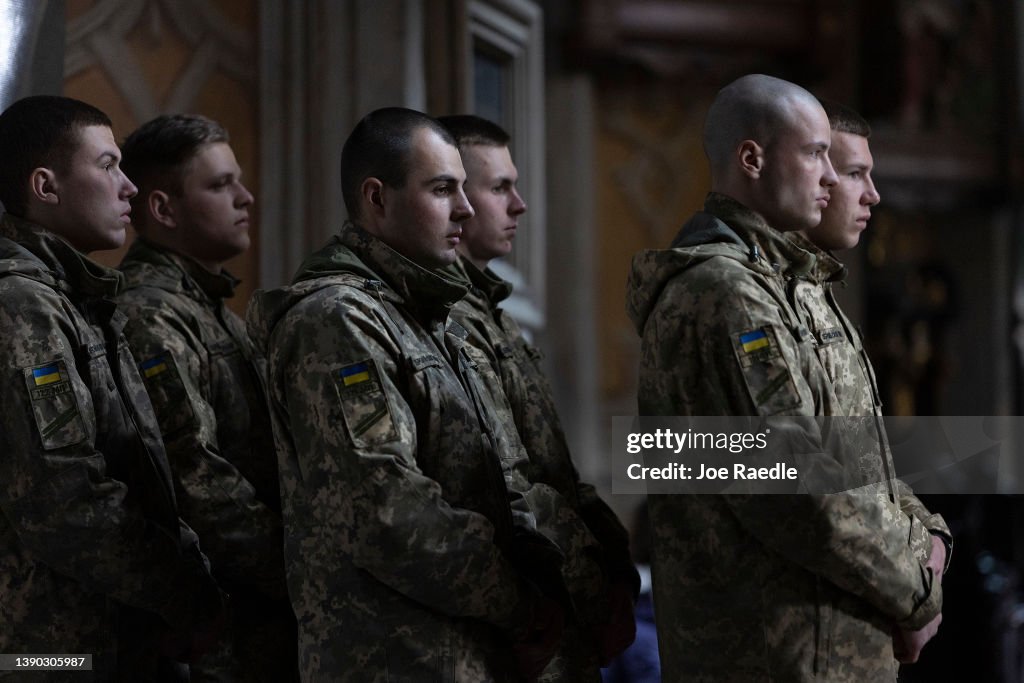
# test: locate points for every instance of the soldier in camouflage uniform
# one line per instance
(837, 342)
(93, 556)
(769, 587)
(410, 555)
(206, 381)
(606, 584)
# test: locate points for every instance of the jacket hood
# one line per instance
(724, 229)
(268, 307)
(356, 256)
(150, 265)
(17, 260)
(29, 250)
(653, 268)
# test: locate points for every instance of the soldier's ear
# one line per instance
(43, 185)
(750, 156)
(372, 191)
(161, 209)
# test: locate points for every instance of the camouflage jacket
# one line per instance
(396, 503)
(207, 386)
(514, 365)
(769, 587)
(92, 552)
(840, 348)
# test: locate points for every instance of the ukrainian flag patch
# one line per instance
(171, 399)
(153, 366)
(48, 374)
(765, 370)
(54, 404)
(756, 345)
(754, 340)
(365, 409)
(356, 373)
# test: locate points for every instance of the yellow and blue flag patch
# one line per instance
(757, 345)
(153, 366)
(54, 404)
(354, 374)
(754, 340)
(365, 409)
(48, 374)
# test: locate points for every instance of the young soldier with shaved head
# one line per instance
(760, 588)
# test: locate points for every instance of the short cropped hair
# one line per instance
(843, 119)
(469, 129)
(753, 107)
(379, 147)
(156, 155)
(41, 131)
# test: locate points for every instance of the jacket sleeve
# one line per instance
(54, 488)
(933, 523)
(337, 379)
(538, 421)
(857, 540)
(549, 494)
(241, 535)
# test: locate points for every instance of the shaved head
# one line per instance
(767, 142)
(755, 107)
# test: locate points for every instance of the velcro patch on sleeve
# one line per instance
(765, 370)
(364, 404)
(54, 405)
(167, 393)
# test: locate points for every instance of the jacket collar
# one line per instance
(420, 289)
(827, 268)
(486, 282)
(764, 243)
(147, 263)
(58, 263)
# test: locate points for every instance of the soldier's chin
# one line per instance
(112, 240)
(447, 257)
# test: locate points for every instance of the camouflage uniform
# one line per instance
(512, 365)
(207, 385)
(396, 502)
(92, 553)
(770, 587)
(840, 349)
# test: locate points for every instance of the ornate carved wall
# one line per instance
(651, 176)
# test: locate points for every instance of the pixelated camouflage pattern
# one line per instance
(395, 504)
(840, 348)
(207, 385)
(512, 367)
(772, 587)
(92, 553)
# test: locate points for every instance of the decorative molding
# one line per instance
(695, 39)
(324, 65)
(99, 37)
(514, 29)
